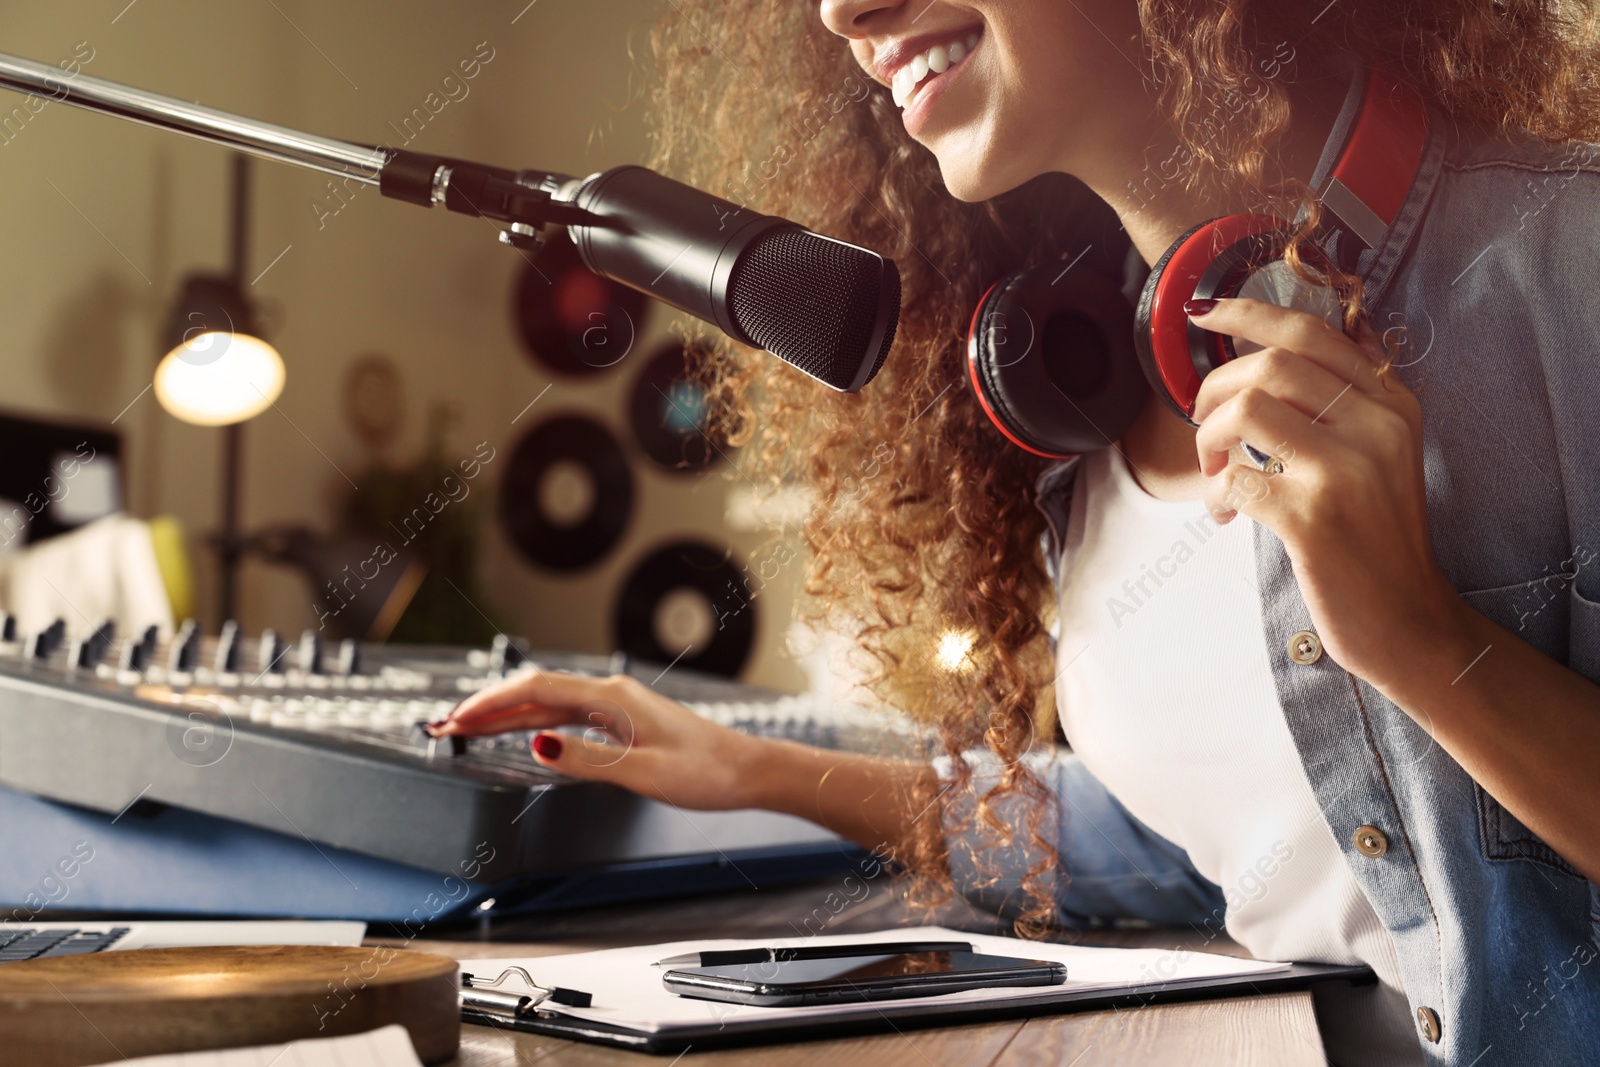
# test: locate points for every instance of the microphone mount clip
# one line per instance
(526, 200)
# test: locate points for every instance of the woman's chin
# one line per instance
(964, 185)
(977, 179)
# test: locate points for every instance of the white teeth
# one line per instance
(900, 86)
(936, 60)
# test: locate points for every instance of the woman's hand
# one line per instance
(1349, 502)
(640, 740)
(633, 737)
(1350, 508)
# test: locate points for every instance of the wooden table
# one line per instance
(1274, 1031)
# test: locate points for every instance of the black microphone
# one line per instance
(823, 306)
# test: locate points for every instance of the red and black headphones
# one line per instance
(1077, 377)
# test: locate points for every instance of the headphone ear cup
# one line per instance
(1051, 358)
(1214, 259)
(1152, 355)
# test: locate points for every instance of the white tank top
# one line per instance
(1166, 694)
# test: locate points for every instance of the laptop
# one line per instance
(38, 940)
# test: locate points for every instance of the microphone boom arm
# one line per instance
(525, 200)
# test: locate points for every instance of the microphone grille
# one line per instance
(814, 303)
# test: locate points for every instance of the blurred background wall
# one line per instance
(101, 218)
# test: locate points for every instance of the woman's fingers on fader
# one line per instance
(495, 720)
(539, 700)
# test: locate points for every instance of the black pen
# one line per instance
(733, 957)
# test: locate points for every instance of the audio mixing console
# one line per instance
(324, 743)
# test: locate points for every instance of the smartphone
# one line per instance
(854, 976)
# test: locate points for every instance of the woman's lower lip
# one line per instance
(915, 116)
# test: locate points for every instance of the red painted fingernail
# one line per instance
(1199, 307)
(547, 746)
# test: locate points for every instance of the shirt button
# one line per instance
(1305, 647)
(1428, 1023)
(1370, 841)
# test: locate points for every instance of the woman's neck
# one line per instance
(1143, 173)
(1156, 209)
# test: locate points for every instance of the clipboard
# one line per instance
(507, 996)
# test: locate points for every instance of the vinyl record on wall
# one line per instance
(571, 319)
(567, 493)
(669, 414)
(686, 603)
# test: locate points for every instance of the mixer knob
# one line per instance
(56, 634)
(349, 662)
(39, 645)
(134, 657)
(229, 643)
(269, 656)
(507, 653)
(101, 640)
(151, 635)
(8, 627)
(457, 743)
(311, 652)
(185, 651)
(86, 652)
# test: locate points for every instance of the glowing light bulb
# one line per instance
(214, 378)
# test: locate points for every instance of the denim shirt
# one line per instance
(1490, 272)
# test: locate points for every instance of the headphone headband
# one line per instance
(1379, 160)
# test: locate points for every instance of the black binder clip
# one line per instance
(482, 995)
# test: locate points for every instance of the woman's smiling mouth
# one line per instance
(925, 66)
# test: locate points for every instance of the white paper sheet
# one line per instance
(388, 1046)
(627, 989)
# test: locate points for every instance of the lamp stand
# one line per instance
(230, 546)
